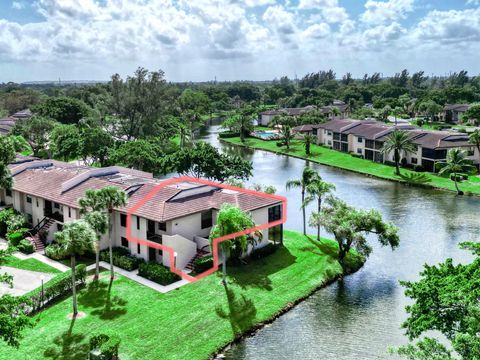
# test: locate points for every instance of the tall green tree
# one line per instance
(244, 121)
(445, 300)
(36, 131)
(95, 145)
(92, 208)
(457, 162)
(232, 219)
(66, 110)
(308, 139)
(350, 227)
(308, 176)
(65, 141)
(76, 238)
(398, 142)
(473, 113)
(317, 189)
(7, 155)
(111, 197)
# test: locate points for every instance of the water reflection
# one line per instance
(361, 316)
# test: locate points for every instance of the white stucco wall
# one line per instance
(185, 249)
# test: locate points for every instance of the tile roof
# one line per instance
(456, 107)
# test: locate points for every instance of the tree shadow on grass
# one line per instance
(68, 346)
(257, 272)
(416, 179)
(241, 312)
(98, 296)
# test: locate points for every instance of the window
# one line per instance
(360, 140)
(123, 220)
(330, 133)
(359, 151)
(8, 192)
(162, 226)
(344, 137)
(336, 136)
(138, 223)
(314, 131)
(69, 212)
(470, 152)
(138, 248)
(56, 205)
(207, 219)
(329, 142)
(274, 213)
(29, 199)
(37, 203)
(414, 160)
(124, 242)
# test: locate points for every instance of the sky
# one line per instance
(200, 40)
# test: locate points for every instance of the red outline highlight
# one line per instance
(215, 241)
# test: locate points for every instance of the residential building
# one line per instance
(453, 113)
(179, 216)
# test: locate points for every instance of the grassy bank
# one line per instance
(191, 322)
(325, 156)
(29, 264)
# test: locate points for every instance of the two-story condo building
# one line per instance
(179, 216)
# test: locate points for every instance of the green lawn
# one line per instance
(29, 264)
(191, 322)
(323, 155)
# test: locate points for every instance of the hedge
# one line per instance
(122, 258)
(157, 273)
(26, 246)
(15, 237)
(108, 346)
(56, 287)
(228, 134)
(202, 264)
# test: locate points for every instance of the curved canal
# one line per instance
(360, 317)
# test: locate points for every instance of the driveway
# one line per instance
(23, 280)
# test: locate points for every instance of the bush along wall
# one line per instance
(157, 273)
(122, 258)
(55, 288)
(203, 264)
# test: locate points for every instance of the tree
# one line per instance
(65, 110)
(398, 142)
(13, 319)
(19, 143)
(111, 197)
(430, 108)
(473, 113)
(474, 138)
(308, 139)
(231, 219)
(193, 104)
(317, 189)
(36, 131)
(95, 144)
(204, 160)
(457, 162)
(445, 300)
(286, 134)
(308, 176)
(244, 121)
(92, 208)
(76, 238)
(65, 141)
(7, 155)
(267, 189)
(350, 226)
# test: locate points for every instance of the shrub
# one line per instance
(52, 251)
(26, 246)
(108, 346)
(5, 216)
(418, 168)
(459, 177)
(228, 134)
(263, 251)
(202, 264)
(122, 258)
(157, 273)
(355, 155)
(280, 143)
(14, 238)
(56, 288)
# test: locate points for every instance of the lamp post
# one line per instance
(42, 278)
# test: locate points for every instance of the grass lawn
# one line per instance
(80, 260)
(191, 322)
(323, 155)
(29, 264)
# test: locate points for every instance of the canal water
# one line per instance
(361, 316)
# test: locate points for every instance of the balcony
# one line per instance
(55, 215)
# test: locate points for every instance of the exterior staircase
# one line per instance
(34, 234)
(200, 253)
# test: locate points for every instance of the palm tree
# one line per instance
(111, 197)
(474, 139)
(76, 238)
(287, 135)
(457, 162)
(317, 189)
(244, 121)
(308, 139)
(185, 135)
(91, 205)
(308, 176)
(399, 142)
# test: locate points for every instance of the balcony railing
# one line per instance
(53, 215)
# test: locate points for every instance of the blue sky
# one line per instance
(235, 39)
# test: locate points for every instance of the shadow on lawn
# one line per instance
(241, 311)
(98, 296)
(256, 273)
(416, 179)
(68, 346)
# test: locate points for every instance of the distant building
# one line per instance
(453, 113)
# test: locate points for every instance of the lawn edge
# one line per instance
(424, 186)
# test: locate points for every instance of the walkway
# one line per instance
(23, 280)
(132, 275)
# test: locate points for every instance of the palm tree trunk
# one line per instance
(456, 184)
(319, 209)
(303, 212)
(397, 160)
(97, 261)
(110, 245)
(224, 267)
(74, 286)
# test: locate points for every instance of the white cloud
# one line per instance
(280, 19)
(255, 3)
(379, 12)
(473, 2)
(317, 31)
(17, 5)
(317, 4)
